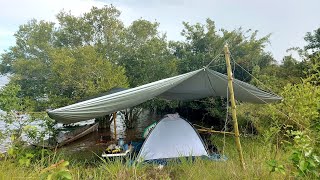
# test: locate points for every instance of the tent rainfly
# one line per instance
(189, 86)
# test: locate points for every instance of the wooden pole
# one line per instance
(233, 106)
(213, 131)
(115, 125)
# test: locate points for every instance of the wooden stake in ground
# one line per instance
(115, 125)
(233, 106)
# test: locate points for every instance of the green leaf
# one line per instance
(49, 177)
(65, 175)
(302, 165)
(11, 151)
(29, 155)
(64, 164)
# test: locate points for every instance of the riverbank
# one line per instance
(256, 153)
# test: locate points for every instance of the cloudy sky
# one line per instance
(287, 20)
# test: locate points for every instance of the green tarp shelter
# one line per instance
(189, 86)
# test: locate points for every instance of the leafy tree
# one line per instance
(82, 72)
(314, 69)
(18, 116)
(276, 76)
(146, 58)
(32, 41)
(204, 42)
(9, 99)
(56, 65)
(313, 40)
(101, 27)
(145, 54)
(313, 59)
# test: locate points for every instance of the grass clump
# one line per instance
(256, 156)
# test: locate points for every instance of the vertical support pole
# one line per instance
(115, 125)
(233, 106)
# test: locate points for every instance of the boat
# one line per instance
(71, 136)
(78, 133)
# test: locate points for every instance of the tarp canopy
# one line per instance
(189, 86)
(172, 137)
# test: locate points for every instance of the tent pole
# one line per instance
(233, 106)
(115, 125)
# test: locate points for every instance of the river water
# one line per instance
(3, 81)
(97, 141)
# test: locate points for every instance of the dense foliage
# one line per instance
(60, 63)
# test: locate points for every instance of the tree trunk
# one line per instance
(104, 122)
(132, 116)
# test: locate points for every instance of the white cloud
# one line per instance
(16, 12)
(21, 11)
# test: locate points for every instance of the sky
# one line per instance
(287, 20)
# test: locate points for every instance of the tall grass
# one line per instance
(255, 152)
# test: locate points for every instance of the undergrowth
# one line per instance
(54, 166)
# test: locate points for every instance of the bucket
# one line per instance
(120, 142)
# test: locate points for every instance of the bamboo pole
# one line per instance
(115, 125)
(213, 131)
(233, 106)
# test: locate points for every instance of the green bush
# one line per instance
(303, 156)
